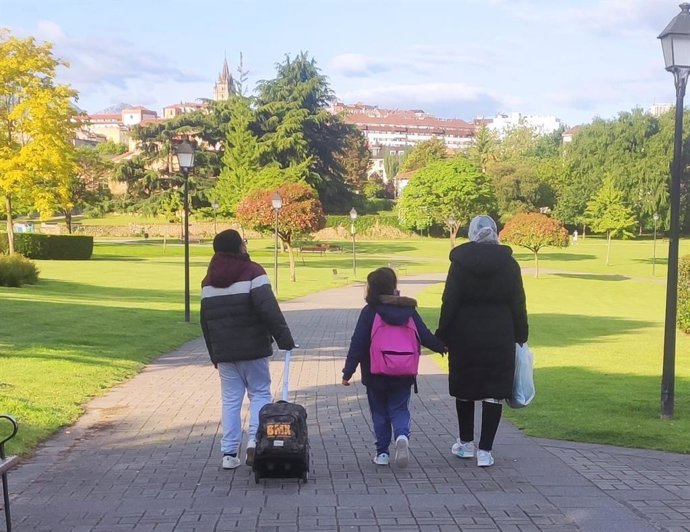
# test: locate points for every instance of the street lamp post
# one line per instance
(656, 219)
(353, 216)
(277, 203)
(452, 226)
(675, 43)
(215, 206)
(185, 160)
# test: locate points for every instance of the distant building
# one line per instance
(171, 111)
(658, 109)
(404, 129)
(225, 86)
(568, 134)
(138, 115)
(503, 122)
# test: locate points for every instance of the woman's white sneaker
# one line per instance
(382, 459)
(402, 451)
(484, 458)
(463, 450)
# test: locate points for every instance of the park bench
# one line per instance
(318, 248)
(399, 267)
(7, 463)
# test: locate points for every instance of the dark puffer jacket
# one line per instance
(395, 310)
(483, 315)
(239, 313)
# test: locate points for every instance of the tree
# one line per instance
(483, 148)
(88, 186)
(447, 193)
(606, 213)
(424, 153)
(240, 161)
(355, 160)
(296, 127)
(391, 165)
(36, 131)
(533, 231)
(301, 214)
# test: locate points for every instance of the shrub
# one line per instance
(363, 223)
(54, 247)
(16, 270)
(684, 294)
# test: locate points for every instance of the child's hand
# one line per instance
(346, 382)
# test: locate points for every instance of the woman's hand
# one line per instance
(346, 382)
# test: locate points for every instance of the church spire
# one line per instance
(225, 86)
(225, 74)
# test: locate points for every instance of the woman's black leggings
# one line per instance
(491, 416)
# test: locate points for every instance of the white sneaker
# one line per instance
(251, 449)
(484, 458)
(463, 450)
(231, 462)
(382, 459)
(402, 451)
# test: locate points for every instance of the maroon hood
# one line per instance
(226, 269)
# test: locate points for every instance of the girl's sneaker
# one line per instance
(382, 459)
(484, 458)
(402, 451)
(463, 450)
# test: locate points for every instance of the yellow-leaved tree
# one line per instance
(37, 157)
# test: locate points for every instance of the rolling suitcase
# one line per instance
(282, 441)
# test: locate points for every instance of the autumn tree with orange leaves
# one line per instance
(533, 231)
(300, 214)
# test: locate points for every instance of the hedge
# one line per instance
(50, 247)
(684, 294)
(363, 223)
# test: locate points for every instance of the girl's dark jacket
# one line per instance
(395, 310)
(483, 316)
(239, 313)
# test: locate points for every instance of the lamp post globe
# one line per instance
(675, 44)
(185, 160)
(277, 204)
(353, 217)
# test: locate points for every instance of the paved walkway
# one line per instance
(145, 457)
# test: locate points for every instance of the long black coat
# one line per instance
(483, 315)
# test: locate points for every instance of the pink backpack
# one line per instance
(395, 349)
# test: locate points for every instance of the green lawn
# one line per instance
(597, 335)
(596, 331)
(90, 324)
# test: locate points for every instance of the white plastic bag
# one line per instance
(523, 383)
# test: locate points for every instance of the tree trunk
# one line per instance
(68, 221)
(10, 226)
(584, 231)
(608, 247)
(536, 264)
(291, 256)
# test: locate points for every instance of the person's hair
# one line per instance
(228, 241)
(380, 282)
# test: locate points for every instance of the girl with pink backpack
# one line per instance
(386, 344)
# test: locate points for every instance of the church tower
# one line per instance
(225, 85)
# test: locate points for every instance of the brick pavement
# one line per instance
(145, 457)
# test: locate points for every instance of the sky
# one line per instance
(574, 59)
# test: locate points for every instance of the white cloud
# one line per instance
(110, 62)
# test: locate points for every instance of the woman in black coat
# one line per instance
(483, 316)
